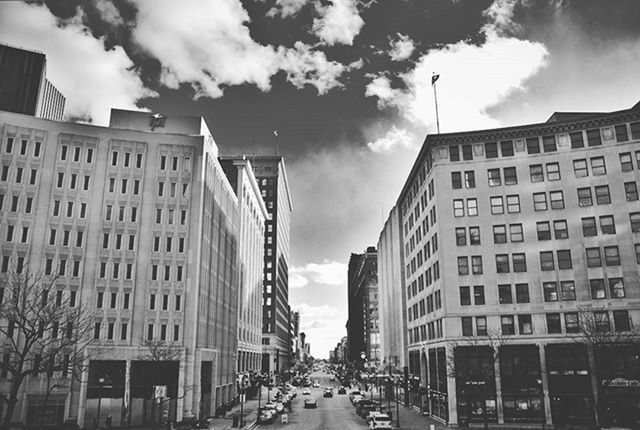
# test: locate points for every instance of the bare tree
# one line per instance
(43, 332)
(479, 373)
(161, 350)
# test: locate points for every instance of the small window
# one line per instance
(553, 323)
(577, 140)
(568, 290)
(467, 326)
(571, 322)
(593, 137)
(597, 289)
(626, 162)
(634, 219)
(515, 233)
(519, 262)
(504, 294)
(546, 260)
(465, 296)
(607, 224)
(602, 195)
(491, 149)
(594, 258)
(474, 235)
(510, 176)
(631, 191)
(621, 321)
(533, 145)
(467, 153)
(524, 324)
(522, 293)
(456, 180)
(502, 263)
(564, 259)
(458, 208)
(494, 177)
(463, 266)
(611, 256)
(513, 204)
(580, 168)
(472, 206)
(549, 143)
(476, 264)
(507, 325)
(553, 171)
(461, 236)
(497, 207)
(539, 201)
(506, 148)
(556, 199)
(589, 227)
(469, 179)
(499, 234)
(550, 291)
(536, 173)
(616, 288)
(598, 166)
(454, 153)
(478, 295)
(621, 133)
(560, 229)
(543, 229)
(584, 197)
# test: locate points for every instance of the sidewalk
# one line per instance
(250, 413)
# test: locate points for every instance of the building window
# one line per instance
(584, 197)
(626, 162)
(519, 262)
(524, 324)
(458, 208)
(506, 322)
(597, 289)
(621, 321)
(546, 260)
(634, 219)
(553, 171)
(564, 259)
(557, 199)
(631, 191)
(580, 168)
(589, 227)
(472, 207)
(549, 143)
(602, 323)
(474, 235)
(510, 176)
(616, 288)
(502, 263)
(463, 266)
(497, 207)
(536, 173)
(476, 264)
(593, 137)
(560, 229)
(539, 201)
(469, 179)
(494, 177)
(461, 236)
(499, 234)
(506, 148)
(621, 133)
(611, 256)
(571, 322)
(533, 145)
(467, 326)
(602, 195)
(478, 295)
(513, 204)
(553, 323)
(593, 257)
(522, 293)
(491, 149)
(504, 294)
(456, 180)
(454, 153)
(465, 296)
(481, 326)
(467, 153)
(543, 229)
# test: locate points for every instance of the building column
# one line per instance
(498, 382)
(126, 397)
(545, 386)
(451, 389)
(594, 382)
(82, 397)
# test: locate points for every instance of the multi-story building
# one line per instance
(521, 249)
(24, 87)
(139, 224)
(274, 186)
(362, 325)
(252, 213)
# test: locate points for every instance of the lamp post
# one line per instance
(397, 383)
(242, 391)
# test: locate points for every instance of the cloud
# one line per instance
(380, 87)
(286, 8)
(394, 139)
(326, 273)
(339, 22)
(92, 78)
(402, 48)
(309, 312)
(108, 12)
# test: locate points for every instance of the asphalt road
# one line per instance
(332, 413)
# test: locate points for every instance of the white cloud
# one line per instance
(309, 312)
(92, 79)
(380, 87)
(402, 48)
(286, 8)
(327, 273)
(339, 22)
(108, 12)
(394, 139)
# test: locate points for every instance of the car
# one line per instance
(367, 408)
(328, 393)
(310, 402)
(353, 394)
(380, 422)
(279, 408)
(332, 378)
(266, 415)
(342, 390)
(356, 399)
(316, 384)
(306, 391)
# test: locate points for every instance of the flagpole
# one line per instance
(434, 79)
(275, 133)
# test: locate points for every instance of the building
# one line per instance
(140, 224)
(392, 300)
(276, 343)
(362, 325)
(520, 249)
(24, 87)
(253, 214)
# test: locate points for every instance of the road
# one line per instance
(333, 413)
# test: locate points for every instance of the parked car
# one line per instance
(381, 422)
(316, 384)
(279, 408)
(342, 390)
(328, 392)
(366, 408)
(353, 394)
(373, 414)
(310, 402)
(266, 415)
(357, 399)
(306, 391)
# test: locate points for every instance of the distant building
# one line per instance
(272, 178)
(252, 215)
(24, 87)
(519, 261)
(362, 325)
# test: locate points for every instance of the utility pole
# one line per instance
(434, 78)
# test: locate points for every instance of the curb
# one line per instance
(251, 426)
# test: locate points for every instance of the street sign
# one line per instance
(159, 391)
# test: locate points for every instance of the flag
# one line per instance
(434, 78)
(275, 133)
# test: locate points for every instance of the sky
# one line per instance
(347, 84)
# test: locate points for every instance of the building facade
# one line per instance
(274, 187)
(520, 248)
(140, 225)
(253, 214)
(24, 87)
(362, 326)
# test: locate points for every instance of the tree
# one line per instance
(473, 361)
(44, 331)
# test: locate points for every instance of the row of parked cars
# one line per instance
(371, 410)
(269, 412)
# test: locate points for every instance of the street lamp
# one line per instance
(243, 382)
(397, 384)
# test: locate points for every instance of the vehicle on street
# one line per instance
(311, 403)
(373, 414)
(353, 394)
(357, 399)
(266, 415)
(342, 390)
(316, 384)
(306, 391)
(381, 422)
(328, 392)
(279, 408)
(332, 378)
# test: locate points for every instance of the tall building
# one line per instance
(252, 213)
(274, 186)
(362, 326)
(139, 223)
(520, 253)
(24, 87)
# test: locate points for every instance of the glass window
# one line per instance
(553, 323)
(593, 257)
(549, 143)
(546, 260)
(616, 288)
(598, 166)
(553, 171)
(465, 296)
(519, 262)
(544, 230)
(499, 234)
(513, 204)
(470, 179)
(564, 259)
(597, 289)
(557, 199)
(580, 168)
(456, 180)
(536, 173)
(502, 263)
(472, 206)
(601, 319)
(611, 256)
(560, 229)
(626, 163)
(621, 321)
(506, 148)
(504, 294)
(577, 140)
(494, 177)
(476, 264)
(634, 218)
(461, 236)
(515, 233)
(491, 149)
(522, 293)
(584, 197)
(602, 195)
(533, 145)
(506, 322)
(481, 326)
(593, 137)
(589, 227)
(539, 201)
(467, 153)
(478, 295)
(635, 130)
(637, 249)
(458, 208)
(524, 324)
(454, 153)
(568, 290)
(607, 224)
(497, 207)
(550, 291)
(621, 133)
(571, 322)
(510, 176)
(474, 235)
(467, 326)
(463, 266)
(631, 191)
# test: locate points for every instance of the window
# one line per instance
(626, 163)
(467, 153)
(631, 191)
(502, 263)
(616, 288)
(607, 224)
(481, 326)
(560, 229)
(467, 326)
(513, 204)
(472, 206)
(499, 234)
(553, 323)
(571, 322)
(506, 148)
(635, 130)
(522, 293)
(637, 249)
(580, 168)
(519, 262)
(597, 289)
(621, 133)
(454, 153)
(584, 197)
(568, 289)
(504, 294)
(458, 208)
(478, 295)
(497, 207)
(494, 177)
(549, 143)
(533, 145)
(611, 256)
(589, 227)
(114, 158)
(602, 195)
(506, 322)
(564, 259)
(593, 257)
(461, 236)
(593, 137)
(524, 324)
(456, 180)
(152, 301)
(463, 266)
(557, 199)
(621, 321)
(601, 319)
(598, 166)
(553, 171)
(491, 149)
(465, 296)
(546, 260)
(544, 230)
(634, 219)
(539, 201)
(476, 264)
(469, 179)
(536, 173)
(474, 235)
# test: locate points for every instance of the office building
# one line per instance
(140, 225)
(276, 347)
(24, 87)
(520, 252)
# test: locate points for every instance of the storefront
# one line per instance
(521, 384)
(475, 384)
(618, 371)
(570, 388)
(438, 397)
